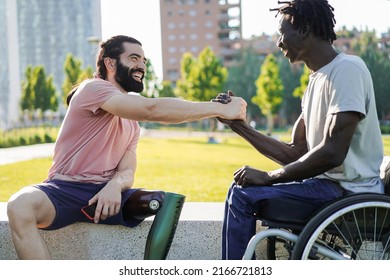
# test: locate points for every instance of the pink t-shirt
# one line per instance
(91, 142)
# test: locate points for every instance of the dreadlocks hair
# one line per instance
(315, 15)
(112, 48)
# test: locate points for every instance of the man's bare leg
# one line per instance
(28, 210)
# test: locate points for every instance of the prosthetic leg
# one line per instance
(163, 229)
(167, 208)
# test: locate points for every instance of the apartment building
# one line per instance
(192, 25)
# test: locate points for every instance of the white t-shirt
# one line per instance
(345, 84)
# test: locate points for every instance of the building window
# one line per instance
(182, 37)
(192, 13)
(193, 24)
(194, 49)
(172, 60)
(208, 24)
(194, 36)
(172, 49)
(171, 25)
(209, 36)
(171, 37)
(173, 74)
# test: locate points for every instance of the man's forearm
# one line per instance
(171, 110)
(276, 150)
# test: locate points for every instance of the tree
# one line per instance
(242, 77)
(269, 95)
(290, 75)
(185, 85)
(166, 89)
(27, 99)
(44, 91)
(208, 76)
(74, 74)
(38, 91)
(304, 81)
(202, 78)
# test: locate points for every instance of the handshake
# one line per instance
(225, 98)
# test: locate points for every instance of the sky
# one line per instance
(141, 20)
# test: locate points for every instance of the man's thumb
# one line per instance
(230, 93)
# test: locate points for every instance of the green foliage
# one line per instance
(166, 90)
(299, 91)
(290, 75)
(74, 74)
(45, 92)
(269, 95)
(28, 95)
(38, 91)
(202, 78)
(242, 77)
(184, 86)
(27, 136)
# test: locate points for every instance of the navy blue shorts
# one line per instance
(69, 197)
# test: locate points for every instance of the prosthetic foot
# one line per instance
(163, 229)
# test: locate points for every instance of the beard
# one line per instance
(124, 77)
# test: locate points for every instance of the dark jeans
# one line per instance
(239, 224)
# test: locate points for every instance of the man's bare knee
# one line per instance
(30, 206)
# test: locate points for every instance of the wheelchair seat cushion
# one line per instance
(287, 210)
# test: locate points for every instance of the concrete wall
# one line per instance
(198, 237)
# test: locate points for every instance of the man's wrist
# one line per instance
(276, 176)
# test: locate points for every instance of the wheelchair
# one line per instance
(353, 227)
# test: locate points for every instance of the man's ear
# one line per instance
(110, 63)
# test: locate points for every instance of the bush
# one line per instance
(385, 129)
(27, 136)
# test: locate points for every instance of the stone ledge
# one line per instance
(198, 237)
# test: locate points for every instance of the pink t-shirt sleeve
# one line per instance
(94, 94)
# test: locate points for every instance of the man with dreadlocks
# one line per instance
(336, 144)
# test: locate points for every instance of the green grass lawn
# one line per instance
(190, 166)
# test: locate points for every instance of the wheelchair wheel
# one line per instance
(355, 227)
